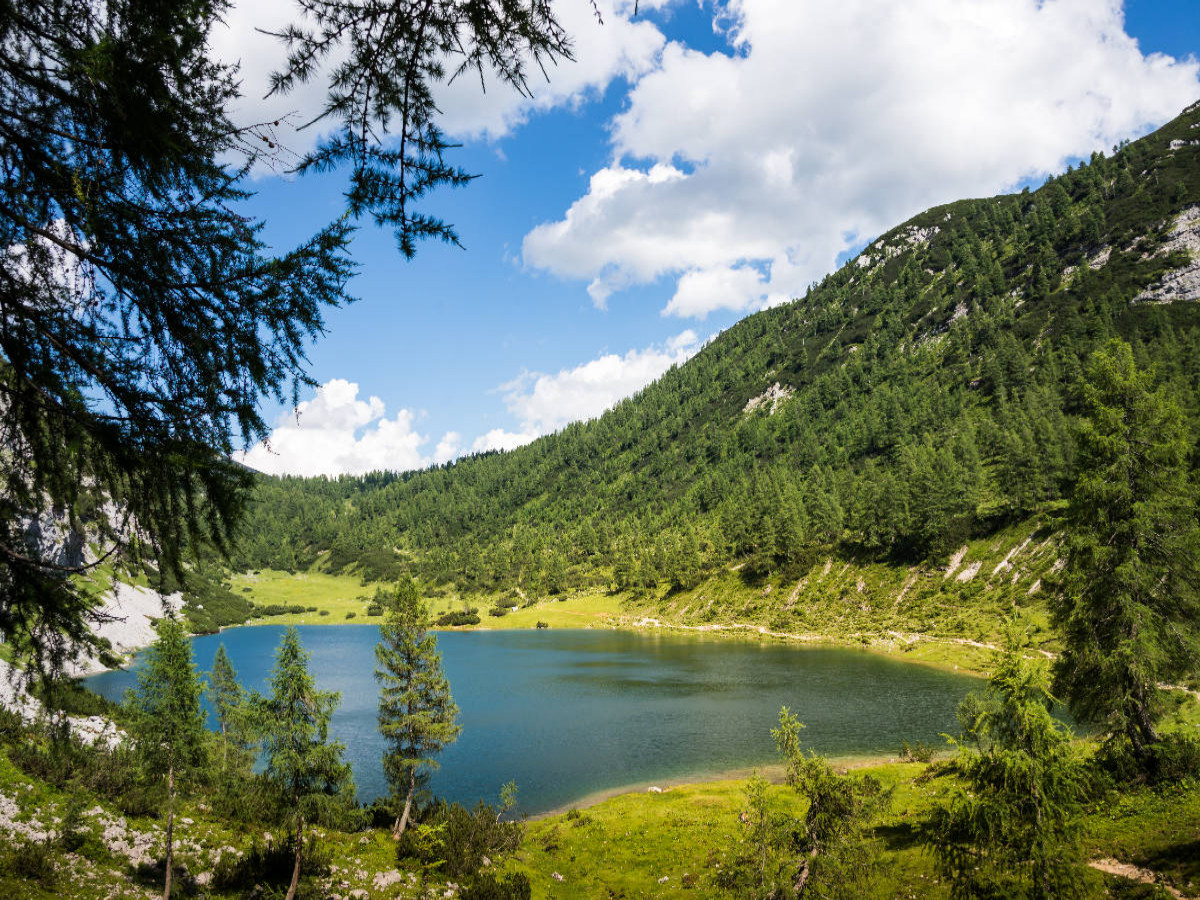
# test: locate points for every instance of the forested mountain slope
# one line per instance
(921, 396)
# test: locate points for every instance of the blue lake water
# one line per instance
(570, 713)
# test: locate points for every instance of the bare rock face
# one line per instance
(129, 611)
(1183, 284)
(770, 398)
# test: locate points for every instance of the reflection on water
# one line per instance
(570, 713)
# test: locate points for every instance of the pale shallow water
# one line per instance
(567, 714)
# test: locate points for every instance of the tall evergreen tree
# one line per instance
(1011, 828)
(167, 722)
(834, 855)
(301, 759)
(1129, 604)
(416, 711)
(229, 702)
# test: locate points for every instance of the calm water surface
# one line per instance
(569, 713)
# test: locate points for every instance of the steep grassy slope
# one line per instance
(922, 397)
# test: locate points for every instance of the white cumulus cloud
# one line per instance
(545, 403)
(745, 174)
(499, 439)
(336, 433)
(620, 48)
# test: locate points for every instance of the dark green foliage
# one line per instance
(832, 852)
(145, 318)
(237, 713)
(209, 604)
(450, 620)
(1130, 594)
(416, 712)
(761, 864)
(30, 861)
(73, 697)
(1011, 829)
(827, 852)
(918, 751)
(385, 68)
(166, 721)
(934, 390)
(280, 609)
(268, 863)
(487, 886)
(305, 767)
(463, 837)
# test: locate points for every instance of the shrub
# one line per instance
(270, 863)
(72, 696)
(542, 624)
(310, 609)
(374, 609)
(498, 611)
(29, 861)
(453, 619)
(488, 886)
(1176, 757)
(323, 612)
(279, 609)
(351, 615)
(462, 838)
(918, 751)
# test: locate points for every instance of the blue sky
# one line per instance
(696, 164)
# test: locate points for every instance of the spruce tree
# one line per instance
(1010, 829)
(833, 856)
(167, 723)
(416, 711)
(228, 699)
(302, 761)
(1129, 599)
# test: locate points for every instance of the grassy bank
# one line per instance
(637, 845)
(671, 844)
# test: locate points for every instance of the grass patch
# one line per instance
(325, 598)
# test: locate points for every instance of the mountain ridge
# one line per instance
(920, 397)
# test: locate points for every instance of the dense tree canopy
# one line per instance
(927, 393)
(1130, 604)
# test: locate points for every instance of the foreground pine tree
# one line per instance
(832, 851)
(301, 760)
(226, 695)
(167, 723)
(416, 711)
(1011, 828)
(1129, 607)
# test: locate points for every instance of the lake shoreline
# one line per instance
(732, 632)
(774, 773)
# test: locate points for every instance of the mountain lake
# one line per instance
(570, 714)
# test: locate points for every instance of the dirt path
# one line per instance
(1133, 873)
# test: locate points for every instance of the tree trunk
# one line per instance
(402, 822)
(1141, 731)
(170, 827)
(291, 894)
